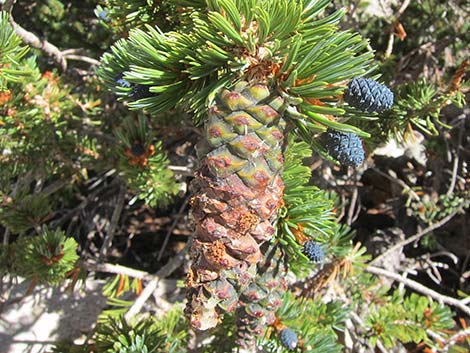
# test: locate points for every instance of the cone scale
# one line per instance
(260, 300)
(238, 191)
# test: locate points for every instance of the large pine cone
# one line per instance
(260, 300)
(238, 191)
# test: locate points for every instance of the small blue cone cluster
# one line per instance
(123, 82)
(368, 95)
(288, 339)
(345, 147)
(313, 251)
(138, 91)
(137, 149)
(104, 15)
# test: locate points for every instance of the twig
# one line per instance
(172, 228)
(400, 12)
(455, 338)
(117, 269)
(456, 159)
(165, 271)
(360, 322)
(352, 206)
(397, 181)
(414, 238)
(112, 227)
(418, 287)
(38, 43)
(81, 58)
(142, 298)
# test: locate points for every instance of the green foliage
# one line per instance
(167, 334)
(65, 23)
(117, 336)
(407, 319)
(24, 212)
(298, 50)
(144, 164)
(432, 210)
(315, 322)
(417, 105)
(11, 54)
(307, 211)
(228, 51)
(121, 16)
(46, 258)
(39, 117)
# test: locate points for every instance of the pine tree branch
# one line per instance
(118, 270)
(172, 228)
(38, 43)
(418, 287)
(165, 271)
(400, 12)
(112, 226)
(76, 54)
(456, 338)
(413, 238)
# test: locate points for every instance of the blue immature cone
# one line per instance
(346, 147)
(288, 339)
(368, 95)
(137, 149)
(313, 251)
(104, 15)
(122, 82)
(140, 92)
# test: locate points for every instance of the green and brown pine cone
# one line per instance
(260, 300)
(238, 191)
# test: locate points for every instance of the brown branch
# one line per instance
(456, 338)
(81, 58)
(165, 271)
(400, 12)
(172, 228)
(38, 43)
(414, 238)
(112, 226)
(418, 287)
(456, 159)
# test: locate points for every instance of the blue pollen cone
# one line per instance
(345, 147)
(313, 251)
(288, 339)
(368, 95)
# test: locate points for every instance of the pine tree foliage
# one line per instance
(281, 49)
(418, 105)
(308, 211)
(144, 164)
(10, 57)
(45, 258)
(120, 16)
(280, 53)
(167, 335)
(39, 117)
(283, 66)
(407, 319)
(25, 211)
